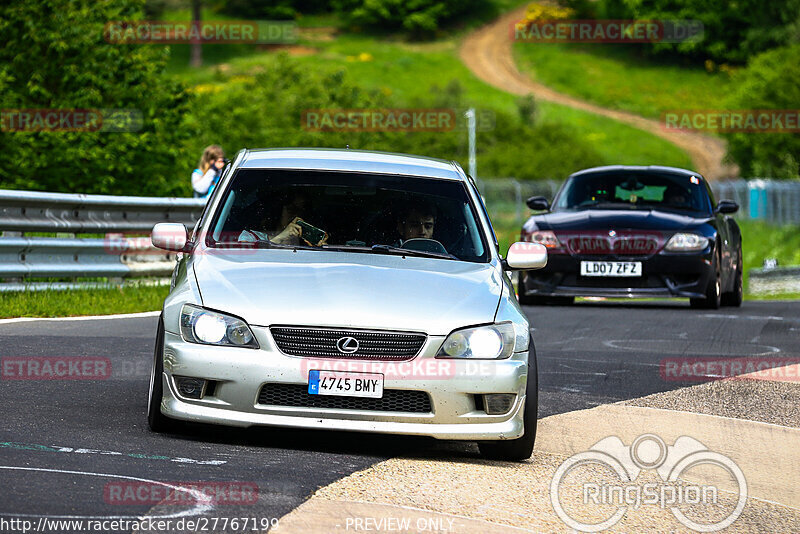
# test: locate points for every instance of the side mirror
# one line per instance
(727, 206)
(525, 256)
(169, 236)
(538, 203)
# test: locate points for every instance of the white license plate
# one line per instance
(611, 268)
(345, 384)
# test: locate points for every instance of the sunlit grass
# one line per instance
(75, 302)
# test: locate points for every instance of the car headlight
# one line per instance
(544, 237)
(492, 342)
(686, 243)
(199, 325)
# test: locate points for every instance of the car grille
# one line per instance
(296, 395)
(372, 345)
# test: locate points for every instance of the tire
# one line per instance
(713, 298)
(523, 299)
(734, 297)
(157, 421)
(538, 300)
(517, 450)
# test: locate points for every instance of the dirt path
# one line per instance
(487, 53)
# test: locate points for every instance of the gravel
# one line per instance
(755, 400)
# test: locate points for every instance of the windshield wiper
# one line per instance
(411, 252)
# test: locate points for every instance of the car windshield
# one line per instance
(633, 191)
(336, 211)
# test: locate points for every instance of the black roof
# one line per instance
(638, 169)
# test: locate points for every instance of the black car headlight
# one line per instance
(686, 243)
(199, 325)
(491, 342)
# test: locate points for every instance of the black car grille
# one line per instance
(296, 395)
(372, 345)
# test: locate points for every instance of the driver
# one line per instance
(675, 196)
(417, 222)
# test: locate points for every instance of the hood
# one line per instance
(615, 220)
(350, 290)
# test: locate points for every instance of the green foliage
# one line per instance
(272, 9)
(734, 31)
(420, 17)
(263, 107)
(54, 56)
(771, 81)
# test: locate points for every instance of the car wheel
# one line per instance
(713, 298)
(522, 298)
(734, 298)
(157, 421)
(516, 450)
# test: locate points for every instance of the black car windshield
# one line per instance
(341, 211)
(630, 190)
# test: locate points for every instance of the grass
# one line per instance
(76, 302)
(761, 241)
(618, 76)
(406, 72)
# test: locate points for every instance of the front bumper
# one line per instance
(454, 388)
(684, 275)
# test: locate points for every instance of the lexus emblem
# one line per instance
(347, 345)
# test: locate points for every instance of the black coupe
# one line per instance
(624, 231)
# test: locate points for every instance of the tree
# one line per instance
(55, 56)
(770, 81)
(197, 46)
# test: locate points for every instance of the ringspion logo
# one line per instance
(592, 490)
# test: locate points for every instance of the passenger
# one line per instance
(283, 230)
(206, 176)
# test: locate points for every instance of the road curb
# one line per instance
(82, 317)
(322, 516)
(517, 495)
(763, 451)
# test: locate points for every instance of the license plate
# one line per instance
(611, 268)
(345, 384)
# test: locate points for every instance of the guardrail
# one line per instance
(114, 256)
(25, 257)
(33, 211)
(774, 280)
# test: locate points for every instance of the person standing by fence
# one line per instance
(207, 173)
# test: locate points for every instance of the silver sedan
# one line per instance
(347, 290)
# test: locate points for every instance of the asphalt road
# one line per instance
(65, 443)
